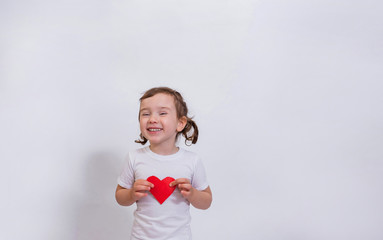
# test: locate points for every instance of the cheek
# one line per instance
(142, 125)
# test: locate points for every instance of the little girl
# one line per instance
(163, 179)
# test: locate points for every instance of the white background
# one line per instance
(287, 95)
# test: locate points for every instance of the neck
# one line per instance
(164, 151)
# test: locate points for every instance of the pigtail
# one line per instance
(193, 137)
(143, 140)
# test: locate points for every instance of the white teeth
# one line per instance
(154, 129)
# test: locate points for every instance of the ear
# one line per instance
(181, 123)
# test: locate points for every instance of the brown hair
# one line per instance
(182, 111)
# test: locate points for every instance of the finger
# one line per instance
(144, 182)
(185, 194)
(185, 187)
(179, 181)
(140, 195)
(142, 192)
(143, 186)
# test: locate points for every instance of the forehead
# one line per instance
(160, 100)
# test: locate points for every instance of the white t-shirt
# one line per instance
(171, 220)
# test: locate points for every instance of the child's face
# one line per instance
(158, 120)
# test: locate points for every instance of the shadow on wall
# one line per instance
(98, 216)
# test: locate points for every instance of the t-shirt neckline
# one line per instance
(164, 157)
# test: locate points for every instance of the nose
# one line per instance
(153, 118)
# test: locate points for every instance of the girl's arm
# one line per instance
(127, 197)
(199, 199)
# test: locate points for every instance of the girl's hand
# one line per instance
(184, 186)
(140, 189)
(199, 199)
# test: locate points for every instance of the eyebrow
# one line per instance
(144, 109)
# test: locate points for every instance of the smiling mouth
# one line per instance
(154, 129)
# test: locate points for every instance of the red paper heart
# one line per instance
(161, 190)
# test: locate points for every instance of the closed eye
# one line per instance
(163, 113)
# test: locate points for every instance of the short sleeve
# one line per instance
(199, 181)
(126, 178)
